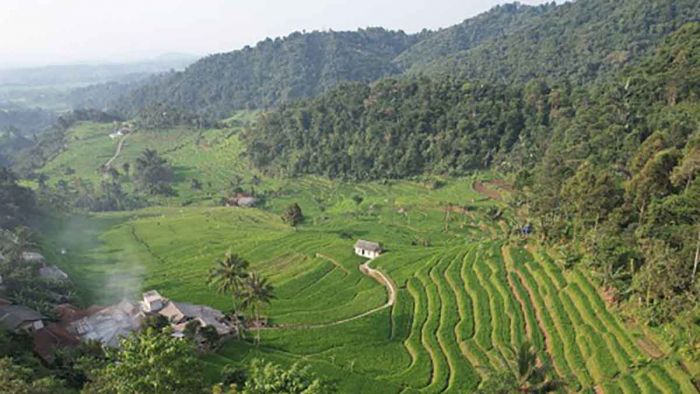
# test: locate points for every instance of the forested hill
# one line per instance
(497, 22)
(613, 167)
(274, 71)
(579, 41)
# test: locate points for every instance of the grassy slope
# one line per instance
(462, 301)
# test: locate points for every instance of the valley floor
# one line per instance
(467, 290)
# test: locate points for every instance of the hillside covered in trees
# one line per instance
(580, 41)
(613, 166)
(273, 71)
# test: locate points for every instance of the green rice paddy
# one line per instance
(466, 292)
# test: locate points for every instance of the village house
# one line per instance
(367, 249)
(118, 132)
(52, 272)
(181, 313)
(241, 200)
(109, 325)
(48, 339)
(18, 318)
(152, 301)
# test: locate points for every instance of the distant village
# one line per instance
(104, 324)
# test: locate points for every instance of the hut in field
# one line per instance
(367, 249)
(241, 200)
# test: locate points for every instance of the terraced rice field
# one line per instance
(467, 292)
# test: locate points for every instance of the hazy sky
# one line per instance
(38, 32)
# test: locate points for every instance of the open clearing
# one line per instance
(464, 294)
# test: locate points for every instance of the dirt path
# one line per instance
(117, 152)
(372, 273)
(481, 188)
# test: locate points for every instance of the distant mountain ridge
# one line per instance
(297, 66)
(69, 74)
(581, 41)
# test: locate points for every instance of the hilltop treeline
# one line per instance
(299, 65)
(612, 167)
(581, 41)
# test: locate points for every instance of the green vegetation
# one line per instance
(153, 173)
(267, 378)
(16, 202)
(610, 169)
(457, 311)
(587, 263)
(274, 71)
(395, 129)
(150, 362)
(579, 42)
(292, 215)
(524, 376)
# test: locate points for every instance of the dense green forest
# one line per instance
(586, 112)
(299, 65)
(612, 167)
(580, 41)
(393, 129)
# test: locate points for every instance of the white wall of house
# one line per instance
(31, 326)
(366, 253)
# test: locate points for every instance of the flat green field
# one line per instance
(466, 293)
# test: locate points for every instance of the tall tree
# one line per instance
(257, 292)
(152, 362)
(268, 378)
(229, 276)
(292, 215)
(153, 173)
(525, 373)
(16, 202)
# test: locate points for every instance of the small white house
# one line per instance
(367, 249)
(152, 301)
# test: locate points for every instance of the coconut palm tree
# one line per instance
(258, 291)
(524, 375)
(228, 276)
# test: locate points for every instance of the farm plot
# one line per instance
(465, 298)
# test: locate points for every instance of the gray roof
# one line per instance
(109, 325)
(369, 246)
(179, 312)
(53, 272)
(12, 316)
(33, 257)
